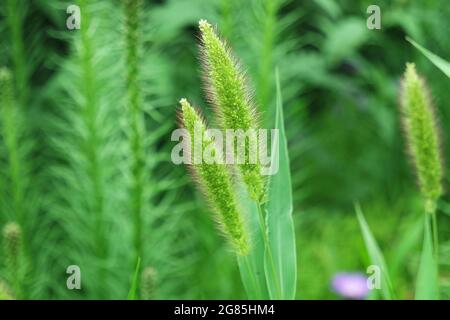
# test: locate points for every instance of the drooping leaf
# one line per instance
(443, 65)
(376, 256)
(280, 259)
(427, 279)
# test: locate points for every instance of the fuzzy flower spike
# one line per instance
(226, 86)
(215, 181)
(422, 136)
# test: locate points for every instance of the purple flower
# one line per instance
(351, 285)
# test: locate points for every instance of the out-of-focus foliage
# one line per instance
(340, 83)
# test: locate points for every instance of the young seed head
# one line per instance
(12, 242)
(226, 86)
(12, 236)
(422, 135)
(5, 293)
(148, 283)
(215, 182)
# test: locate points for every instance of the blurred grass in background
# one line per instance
(340, 83)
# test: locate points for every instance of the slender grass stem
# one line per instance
(90, 110)
(435, 235)
(16, 18)
(11, 122)
(266, 58)
(434, 230)
(136, 121)
(272, 269)
(249, 270)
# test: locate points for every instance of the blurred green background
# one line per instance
(72, 192)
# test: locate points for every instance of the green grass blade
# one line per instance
(251, 266)
(281, 264)
(132, 294)
(443, 65)
(427, 278)
(375, 254)
(410, 239)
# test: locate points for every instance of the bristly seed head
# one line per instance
(148, 283)
(12, 236)
(226, 86)
(422, 136)
(215, 182)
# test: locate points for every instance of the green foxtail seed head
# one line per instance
(12, 241)
(148, 283)
(422, 136)
(12, 236)
(226, 85)
(215, 181)
(5, 293)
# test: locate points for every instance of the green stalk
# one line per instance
(263, 87)
(18, 137)
(11, 122)
(90, 113)
(268, 249)
(136, 120)
(15, 17)
(434, 231)
(250, 272)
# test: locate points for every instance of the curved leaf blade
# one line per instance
(443, 65)
(280, 225)
(427, 278)
(375, 254)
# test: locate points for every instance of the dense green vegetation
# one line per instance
(86, 118)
